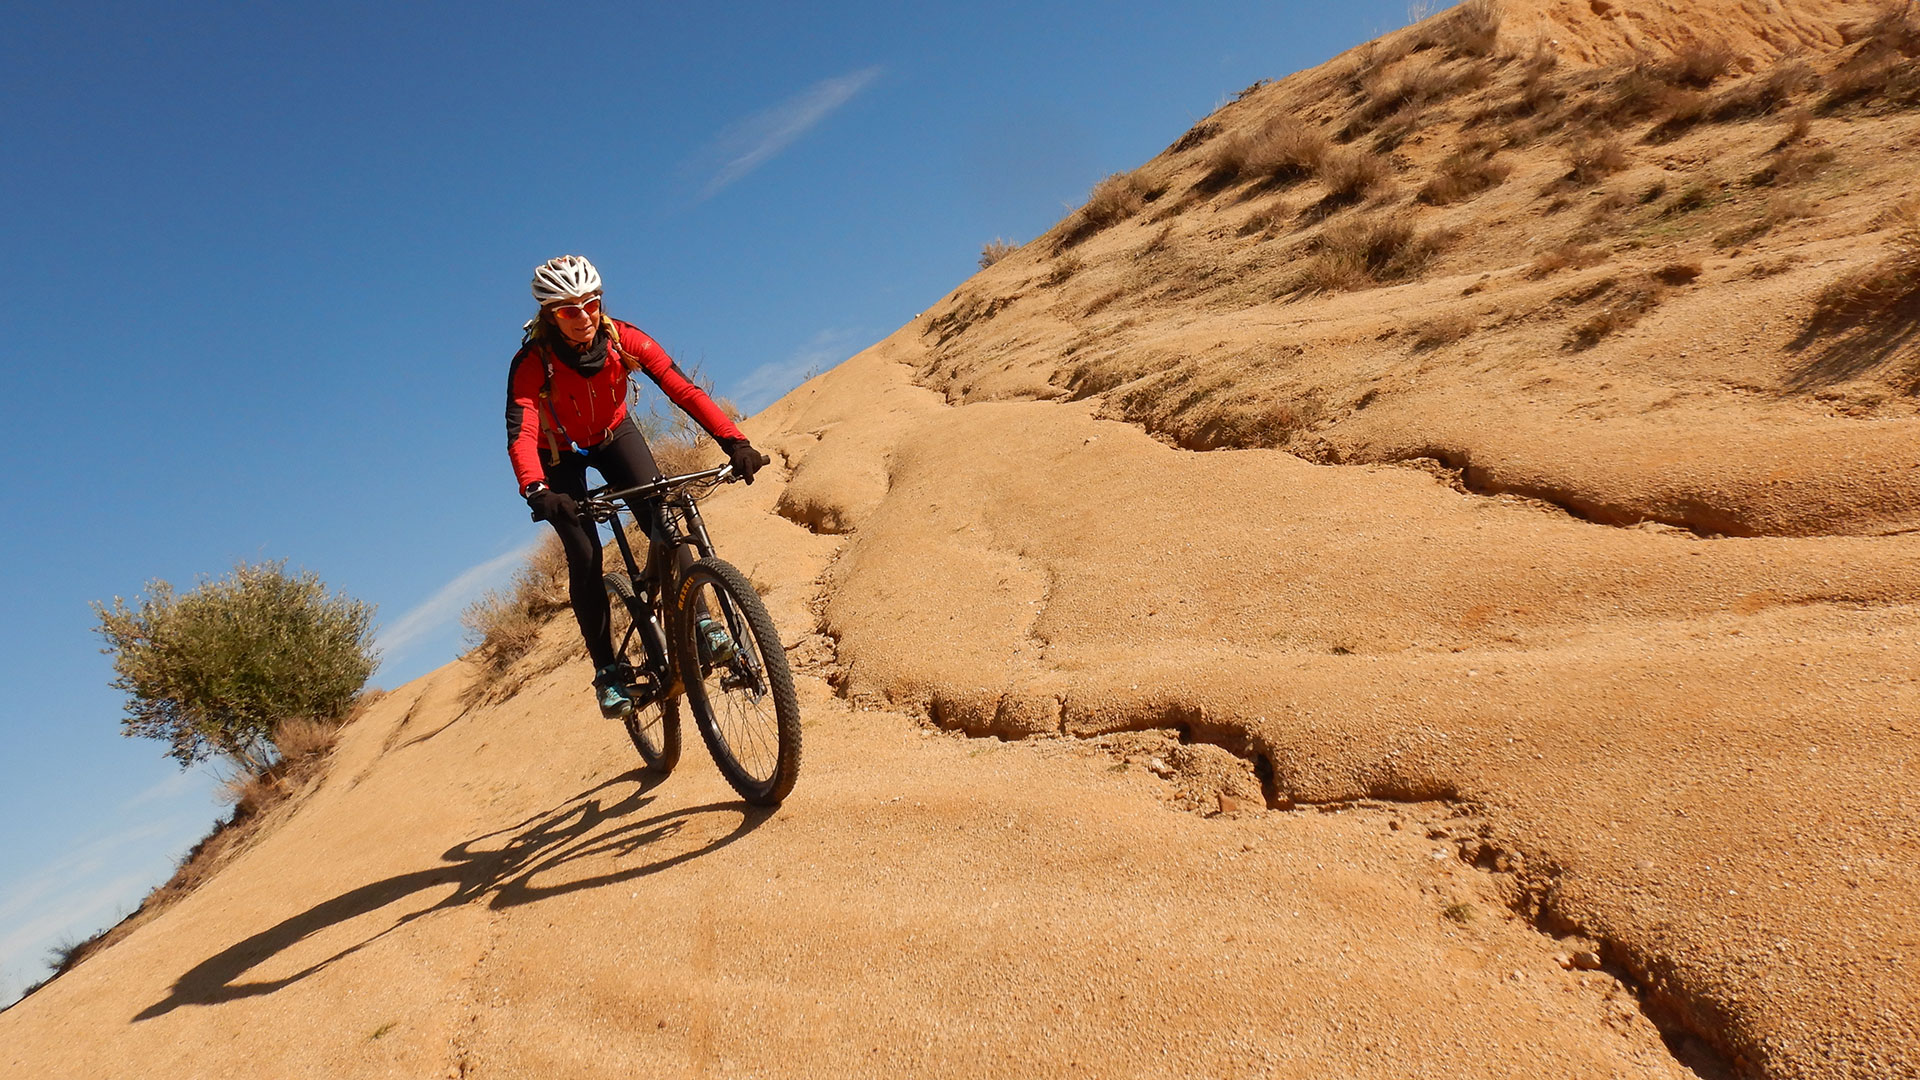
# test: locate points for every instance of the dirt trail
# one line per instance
(502, 895)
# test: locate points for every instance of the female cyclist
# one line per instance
(567, 410)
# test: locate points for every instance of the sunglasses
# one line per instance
(587, 309)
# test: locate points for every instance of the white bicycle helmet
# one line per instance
(568, 277)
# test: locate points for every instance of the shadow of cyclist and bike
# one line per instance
(504, 869)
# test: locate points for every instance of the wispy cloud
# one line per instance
(443, 608)
(84, 890)
(765, 384)
(744, 146)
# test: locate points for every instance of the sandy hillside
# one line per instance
(1419, 578)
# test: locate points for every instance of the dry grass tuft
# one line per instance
(996, 249)
(1063, 268)
(1115, 199)
(1570, 255)
(1353, 174)
(1792, 164)
(1637, 94)
(1443, 330)
(299, 738)
(1882, 68)
(1472, 29)
(1799, 125)
(1680, 110)
(1279, 151)
(1698, 63)
(1265, 221)
(1779, 210)
(1695, 196)
(1404, 95)
(502, 627)
(1463, 174)
(1763, 95)
(1625, 306)
(1369, 250)
(1879, 288)
(1594, 159)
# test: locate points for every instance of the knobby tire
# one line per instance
(746, 709)
(654, 728)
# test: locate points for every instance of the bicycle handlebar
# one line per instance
(599, 503)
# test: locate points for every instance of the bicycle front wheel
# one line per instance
(737, 680)
(639, 644)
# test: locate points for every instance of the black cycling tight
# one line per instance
(624, 460)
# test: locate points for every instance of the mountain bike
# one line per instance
(702, 634)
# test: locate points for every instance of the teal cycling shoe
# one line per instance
(716, 645)
(614, 702)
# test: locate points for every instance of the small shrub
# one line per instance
(1443, 330)
(1461, 912)
(211, 671)
(1592, 160)
(1353, 174)
(1281, 150)
(996, 249)
(1063, 268)
(1463, 174)
(1879, 288)
(301, 738)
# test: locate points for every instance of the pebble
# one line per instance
(1160, 768)
(1586, 960)
(1233, 804)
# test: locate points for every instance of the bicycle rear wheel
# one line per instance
(639, 643)
(739, 687)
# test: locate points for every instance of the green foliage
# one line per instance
(213, 670)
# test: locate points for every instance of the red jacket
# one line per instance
(551, 407)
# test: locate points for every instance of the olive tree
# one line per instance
(214, 669)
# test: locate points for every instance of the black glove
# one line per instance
(550, 505)
(746, 460)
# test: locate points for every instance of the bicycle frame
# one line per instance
(675, 521)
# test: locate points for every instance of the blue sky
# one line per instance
(265, 265)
